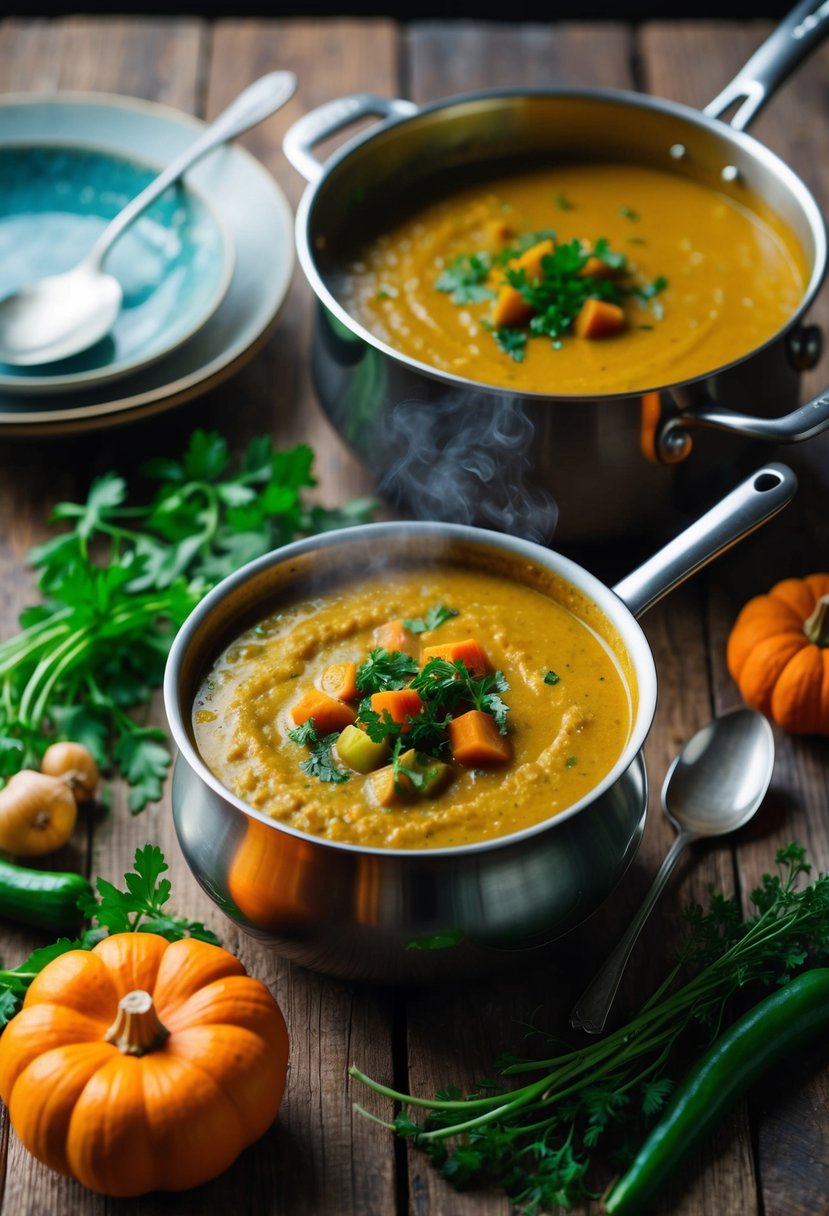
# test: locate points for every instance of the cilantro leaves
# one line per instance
(433, 618)
(465, 278)
(320, 763)
(446, 684)
(384, 669)
(118, 583)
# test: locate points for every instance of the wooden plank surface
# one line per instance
(320, 1159)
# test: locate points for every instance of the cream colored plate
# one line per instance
(246, 200)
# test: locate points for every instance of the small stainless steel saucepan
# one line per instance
(427, 914)
(450, 447)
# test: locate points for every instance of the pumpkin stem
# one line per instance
(137, 1028)
(817, 626)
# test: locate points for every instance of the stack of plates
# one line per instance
(204, 270)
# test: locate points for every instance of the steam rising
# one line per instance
(468, 460)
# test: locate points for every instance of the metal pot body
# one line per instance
(412, 915)
(448, 446)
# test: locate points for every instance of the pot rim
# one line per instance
(603, 596)
(747, 143)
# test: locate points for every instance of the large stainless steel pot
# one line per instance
(447, 447)
(405, 915)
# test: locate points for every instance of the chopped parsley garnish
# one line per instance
(465, 278)
(551, 678)
(522, 243)
(512, 342)
(447, 684)
(627, 213)
(417, 779)
(320, 763)
(385, 669)
(563, 203)
(431, 619)
(378, 727)
(571, 761)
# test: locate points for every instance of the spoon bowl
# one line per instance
(714, 786)
(60, 315)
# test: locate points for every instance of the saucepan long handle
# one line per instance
(333, 116)
(796, 35)
(754, 501)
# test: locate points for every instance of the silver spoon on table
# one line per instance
(62, 314)
(714, 786)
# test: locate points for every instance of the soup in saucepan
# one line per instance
(418, 708)
(582, 279)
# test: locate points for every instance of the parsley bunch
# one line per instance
(120, 580)
(445, 684)
(537, 1142)
(141, 908)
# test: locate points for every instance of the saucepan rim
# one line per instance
(608, 602)
(748, 144)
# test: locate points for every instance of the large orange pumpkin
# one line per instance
(143, 1065)
(778, 653)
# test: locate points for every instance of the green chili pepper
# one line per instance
(774, 1027)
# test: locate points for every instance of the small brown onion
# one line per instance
(75, 765)
(37, 814)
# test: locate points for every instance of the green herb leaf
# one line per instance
(551, 678)
(628, 213)
(385, 669)
(563, 203)
(465, 277)
(432, 619)
(512, 342)
(320, 763)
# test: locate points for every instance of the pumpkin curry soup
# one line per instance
(581, 279)
(422, 708)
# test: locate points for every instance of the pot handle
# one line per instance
(797, 34)
(754, 501)
(672, 443)
(331, 117)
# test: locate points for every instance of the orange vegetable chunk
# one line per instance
(476, 742)
(469, 652)
(531, 258)
(511, 310)
(597, 268)
(395, 636)
(399, 703)
(340, 681)
(329, 715)
(385, 791)
(599, 319)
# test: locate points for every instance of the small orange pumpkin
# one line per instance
(143, 1065)
(778, 654)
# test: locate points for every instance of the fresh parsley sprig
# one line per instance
(120, 580)
(433, 618)
(385, 669)
(450, 683)
(140, 908)
(320, 763)
(537, 1142)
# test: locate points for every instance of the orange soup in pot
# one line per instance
(429, 707)
(581, 279)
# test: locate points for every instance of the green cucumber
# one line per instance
(44, 899)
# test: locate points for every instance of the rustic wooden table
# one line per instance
(320, 1159)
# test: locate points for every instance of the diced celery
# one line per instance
(356, 750)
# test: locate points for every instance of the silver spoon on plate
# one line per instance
(714, 786)
(63, 314)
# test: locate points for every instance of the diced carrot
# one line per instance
(399, 703)
(597, 268)
(385, 790)
(531, 259)
(476, 742)
(395, 636)
(329, 715)
(469, 652)
(510, 310)
(599, 319)
(340, 681)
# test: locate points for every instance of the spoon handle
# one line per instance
(591, 1010)
(256, 102)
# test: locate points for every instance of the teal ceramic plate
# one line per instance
(246, 203)
(174, 263)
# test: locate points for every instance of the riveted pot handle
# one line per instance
(754, 501)
(672, 442)
(793, 39)
(331, 117)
